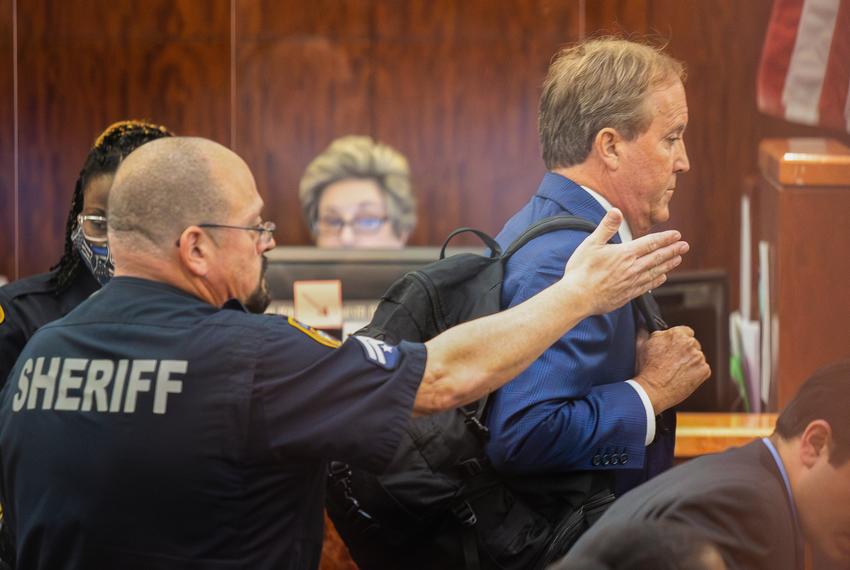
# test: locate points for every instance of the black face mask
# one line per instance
(97, 257)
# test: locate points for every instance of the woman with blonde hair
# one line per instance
(357, 194)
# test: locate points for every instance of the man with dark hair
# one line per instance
(757, 503)
(159, 425)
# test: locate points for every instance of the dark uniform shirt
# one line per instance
(149, 429)
(28, 304)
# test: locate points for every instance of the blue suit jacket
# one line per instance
(571, 409)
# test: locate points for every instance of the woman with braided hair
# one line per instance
(86, 264)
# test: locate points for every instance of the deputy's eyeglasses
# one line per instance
(94, 227)
(360, 225)
(265, 229)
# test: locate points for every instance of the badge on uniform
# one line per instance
(383, 354)
(319, 336)
(2, 315)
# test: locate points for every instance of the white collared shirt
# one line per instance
(626, 236)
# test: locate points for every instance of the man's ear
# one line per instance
(606, 147)
(814, 442)
(195, 250)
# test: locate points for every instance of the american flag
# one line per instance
(804, 74)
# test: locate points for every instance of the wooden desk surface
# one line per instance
(698, 433)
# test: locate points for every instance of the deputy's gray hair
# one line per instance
(360, 157)
(604, 82)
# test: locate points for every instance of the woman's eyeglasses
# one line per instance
(360, 225)
(94, 227)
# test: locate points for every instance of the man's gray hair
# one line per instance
(360, 157)
(600, 83)
(164, 187)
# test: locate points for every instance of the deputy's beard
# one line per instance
(258, 301)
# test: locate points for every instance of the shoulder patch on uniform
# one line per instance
(383, 354)
(2, 315)
(317, 335)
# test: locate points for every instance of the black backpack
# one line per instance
(440, 504)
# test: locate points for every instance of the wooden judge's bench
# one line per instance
(803, 211)
(699, 433)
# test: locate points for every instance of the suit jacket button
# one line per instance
(597, 459)
(615, 459)
(624, 458)
(606, 459)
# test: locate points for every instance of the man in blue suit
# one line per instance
(612, 115)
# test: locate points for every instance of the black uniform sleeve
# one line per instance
(12, 338)
(348, 403)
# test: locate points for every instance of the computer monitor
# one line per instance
(365, 273)
(700, 300)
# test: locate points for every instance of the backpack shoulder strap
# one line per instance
(645, 304)
(651, 312)
(495, 249)
(546, 225)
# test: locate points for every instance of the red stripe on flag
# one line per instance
(837, 80)
(776, 55)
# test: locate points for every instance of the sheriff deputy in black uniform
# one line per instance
(160, 425)
(86, 264)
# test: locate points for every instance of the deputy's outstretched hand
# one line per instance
(614, 274)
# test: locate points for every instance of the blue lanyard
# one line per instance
(781, 467)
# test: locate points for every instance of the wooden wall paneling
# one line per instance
(87, 63)
(7, 144)
(303, 78)
(272, 20)
(456, 89)
(454, 85)
(706, 204)
(616, 17)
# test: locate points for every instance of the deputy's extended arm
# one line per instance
(477, 357)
